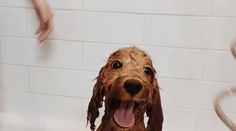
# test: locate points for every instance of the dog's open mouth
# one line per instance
(124, 113)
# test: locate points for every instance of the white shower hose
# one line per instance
(223, 95)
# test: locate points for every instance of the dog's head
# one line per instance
(130, 88)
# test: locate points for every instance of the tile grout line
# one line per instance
(204, 66)
(143, 27)
(49, 67)
(27, 22)
(43, 94)
(212, 7)
(197, 120)
(118, 43)
(82, 59)
(29, 88)
(126, 12)
(81, 98)
(95, 71)
(83, 4)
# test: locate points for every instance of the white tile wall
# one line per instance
(208, 93)
(14, 77)
(62, 82)
(87, 26)
(191, 31)
(152, 6)
(177, 62)
(220, 66)
(58, 4)
(96, 55)
(179, 119)
(224, 8)
(69, 4)
(208, 121)
(13, 21)
(16, 3)
(173, 90)
(26, 51)
(27, 112)
(170, 62)
(47, 87)
(199, 94)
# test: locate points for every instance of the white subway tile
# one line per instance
(177, 62)
(190, 31)
(52, 53)
(180, 93)
(27, 112)
(32, 105)
(58, 54)
(224, 8)
(152, 6)
(13, 77)
(177, 31)
(96, 55)
(59, 4)
(62, 82)
(194, 94)
(220, 33)
(170, 62)
(93, 26)
(207, 93)
(68, 4)
(16, 51)
(179, 119)
(208, 121)
(16, 3)
(220, 66)
(13, 21)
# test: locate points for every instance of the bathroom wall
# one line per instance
(47, 87)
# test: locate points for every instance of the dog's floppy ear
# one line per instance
(154, 111)
(96, 101)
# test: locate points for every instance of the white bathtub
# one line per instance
(21, 111)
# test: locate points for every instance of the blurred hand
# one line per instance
(45, 16)
(233, 50)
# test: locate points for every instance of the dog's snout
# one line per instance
(132, 86)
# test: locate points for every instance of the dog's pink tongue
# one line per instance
(124, 115)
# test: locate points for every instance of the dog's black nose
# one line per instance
(132, 86)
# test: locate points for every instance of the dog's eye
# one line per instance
(116, 64)
(148, 71)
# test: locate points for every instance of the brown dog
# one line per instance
(128, 84)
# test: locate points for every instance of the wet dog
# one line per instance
(128, 87)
